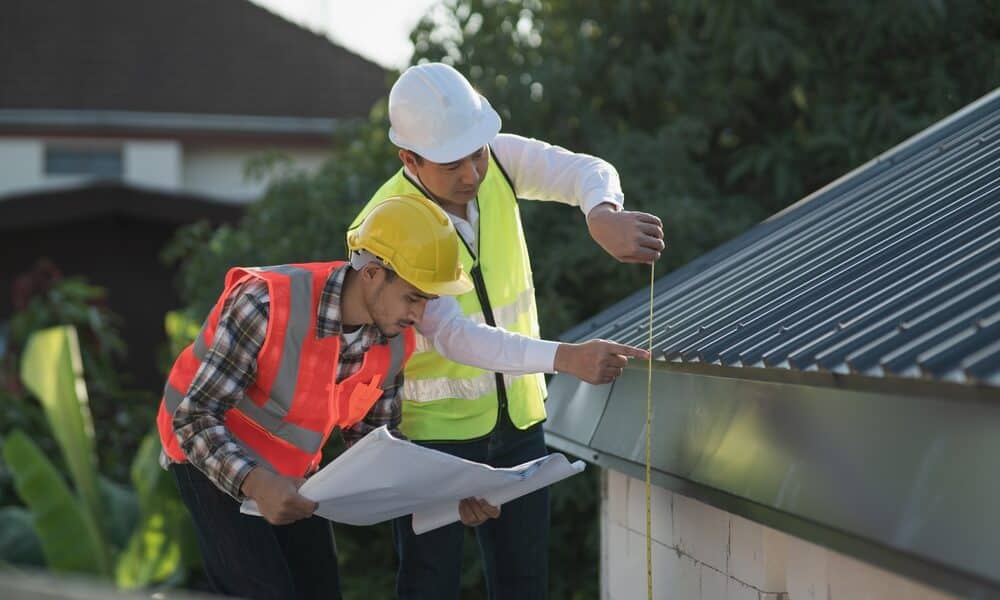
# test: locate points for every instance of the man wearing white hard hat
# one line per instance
(453, 153)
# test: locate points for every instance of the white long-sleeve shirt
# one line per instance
(539, 171)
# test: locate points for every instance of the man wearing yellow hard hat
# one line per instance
(454, 154)
(287, 354)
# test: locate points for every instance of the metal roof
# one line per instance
(892, 271)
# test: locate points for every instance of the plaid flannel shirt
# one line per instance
(230, 366)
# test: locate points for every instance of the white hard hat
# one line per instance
(435, 112)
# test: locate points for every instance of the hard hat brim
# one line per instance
(457, 287)
(474, 138)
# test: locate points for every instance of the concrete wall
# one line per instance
(703, 553)
(216, 171)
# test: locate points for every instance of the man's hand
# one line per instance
(629, 236)
(475, 511)
(277, 497)
(596, 361)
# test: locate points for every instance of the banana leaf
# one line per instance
(121, 506)
(52, 369)
(69, 535)
(163, 547)
(19, 545)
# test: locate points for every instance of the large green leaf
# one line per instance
(19, 544)
(69, 535)
(163, 547)
(51, 367)
(121, 506)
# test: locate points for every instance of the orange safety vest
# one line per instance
(292, 406)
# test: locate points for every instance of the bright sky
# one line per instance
(378, 30)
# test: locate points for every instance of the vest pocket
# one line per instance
(355, 405)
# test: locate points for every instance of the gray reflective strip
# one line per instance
(440, 388)
(271, 415)
(260, 460)
(303, 439)
(172, 398)
(299, 319)
(397, 352)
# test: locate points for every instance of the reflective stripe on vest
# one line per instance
(457, 401)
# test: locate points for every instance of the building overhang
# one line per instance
(896, 474)
(126, 123)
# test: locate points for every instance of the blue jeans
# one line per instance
(514, 546)
(248, 557)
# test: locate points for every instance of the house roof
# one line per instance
(225, 57)
(832, 373)
(893, 271)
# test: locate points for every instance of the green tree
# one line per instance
(716, 114)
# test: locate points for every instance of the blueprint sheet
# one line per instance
(382, 477)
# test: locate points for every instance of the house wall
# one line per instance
(703, 553)
(219, 171)
(214, 171)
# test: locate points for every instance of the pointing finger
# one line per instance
(629, 351)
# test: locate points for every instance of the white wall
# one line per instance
(703, 553)
(20, 164)
(220, 171)
(213, 171)
(153, 163)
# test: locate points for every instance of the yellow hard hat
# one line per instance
(417, 240)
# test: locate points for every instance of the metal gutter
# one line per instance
(168, 122)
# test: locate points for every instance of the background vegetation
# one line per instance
(716, 114)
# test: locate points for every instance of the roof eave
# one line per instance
(13, 119)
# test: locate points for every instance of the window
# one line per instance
(105, 163)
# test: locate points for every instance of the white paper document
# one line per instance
(382, 477)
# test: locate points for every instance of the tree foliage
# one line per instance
(716, 114)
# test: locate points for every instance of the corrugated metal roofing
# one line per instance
(891, 271)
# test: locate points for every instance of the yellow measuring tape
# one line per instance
(649, 438)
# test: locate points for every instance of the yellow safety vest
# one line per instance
(444, 400)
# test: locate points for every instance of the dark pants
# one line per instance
(248, 557)
(514, 547)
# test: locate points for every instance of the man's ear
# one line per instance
(370, 271)
(406, 157)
